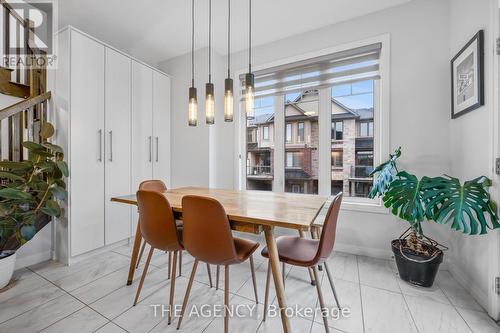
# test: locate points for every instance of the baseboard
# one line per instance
(32, 259)
(480, 296)
(93, 253)
(363, 251)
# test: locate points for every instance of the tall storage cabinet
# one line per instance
(113, 121)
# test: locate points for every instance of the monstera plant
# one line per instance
(467, 207)
(30, 191)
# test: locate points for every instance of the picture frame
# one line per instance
(467, 77)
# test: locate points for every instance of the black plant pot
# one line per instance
(416, 269)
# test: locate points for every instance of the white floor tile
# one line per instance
(85, 320)
(433, 293)
(479, 321)
(378, 273)
(431, 317)
(344, 266)
(385, 311)
(455, 292)
(110, 328)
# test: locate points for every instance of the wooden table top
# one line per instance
(286, 210)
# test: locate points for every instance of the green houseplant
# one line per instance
(466, 207)
(29, 194)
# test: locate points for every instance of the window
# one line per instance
(365, 129)
(348, 84)
(288, 132)
(265, 133)
(293, 159)
(337, 159)
(337, 130)
(260, 150)
(300, 132)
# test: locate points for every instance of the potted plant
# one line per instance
(29, 191)
(466, 207)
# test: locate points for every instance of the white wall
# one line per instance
(419, 120)
(471, 143)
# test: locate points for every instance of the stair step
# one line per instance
(5, 73)
(14, 89)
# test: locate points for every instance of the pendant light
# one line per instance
(193, 98)
(228, 83)
(209, 87)
(249, 77)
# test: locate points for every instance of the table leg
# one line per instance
(135, 254)
(311, 274)
(278, 283)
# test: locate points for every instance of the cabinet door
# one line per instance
(161, 127)
(117, 148)
(87, 144)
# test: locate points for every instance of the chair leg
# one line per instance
(180, 263)
(188, 290)
(209, 272)
(226, 299)
(283, 274)
(144, 272)
(254, 280)
(330, 279)
(266, 295)
(217, 278)
(321, 301)
(140, 254)
(169, 265)
(172, 289)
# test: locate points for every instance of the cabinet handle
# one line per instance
(100, 145)
(157, 141)
(150, 150)
(111, 146)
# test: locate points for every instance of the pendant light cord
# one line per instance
(228, 38)
(210, 42)
(250, 36)
(192, 43)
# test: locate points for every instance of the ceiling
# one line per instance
(156, 30)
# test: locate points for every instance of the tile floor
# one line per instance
(91, 296)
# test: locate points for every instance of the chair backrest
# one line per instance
(327, 238)
(157, 221)
(153, 185)
(206, 231)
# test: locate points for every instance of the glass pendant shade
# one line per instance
(193, 107)
(228, 100)
(249, 95)
(209, 104)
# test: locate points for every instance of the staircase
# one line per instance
(24, 119)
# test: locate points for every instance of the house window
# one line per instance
(265, 133)
(251, 136)
(337, 158)
(300, 132)
(340, 91)
(288, 132)
(365, 129)
(337, 130)
(293, 159)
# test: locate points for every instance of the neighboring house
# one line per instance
(351, 148)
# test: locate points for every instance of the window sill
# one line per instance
(365, 207)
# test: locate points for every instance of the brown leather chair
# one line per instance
(208, 238)
(159, 230)
(309, 253)
(158, 186)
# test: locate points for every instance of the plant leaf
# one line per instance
(10, 176)
(465, 206)
(59, 192)
(51, 208)
(385, 172)
(63, 166)
(12, 193)
(30, 145)
(54, 148)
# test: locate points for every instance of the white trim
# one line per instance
(101, 250)
(70, 27)
(382, 119)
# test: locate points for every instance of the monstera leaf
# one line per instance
(405, 198)
(465, 206)
(385, 176)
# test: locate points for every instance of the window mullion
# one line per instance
(279, 145)
(325, 142)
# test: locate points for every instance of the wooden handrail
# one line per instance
(23, 105)
(11, 10)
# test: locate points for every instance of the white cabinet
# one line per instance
(86, 144)
(117, 139)
(113, 121)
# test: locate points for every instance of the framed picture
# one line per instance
(467, 77)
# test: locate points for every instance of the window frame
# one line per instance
(264, 136)
(289, 133)
(301, 138)
(381, 125)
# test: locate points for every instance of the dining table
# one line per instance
(250, 212)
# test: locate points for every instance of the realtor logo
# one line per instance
(28, 35)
